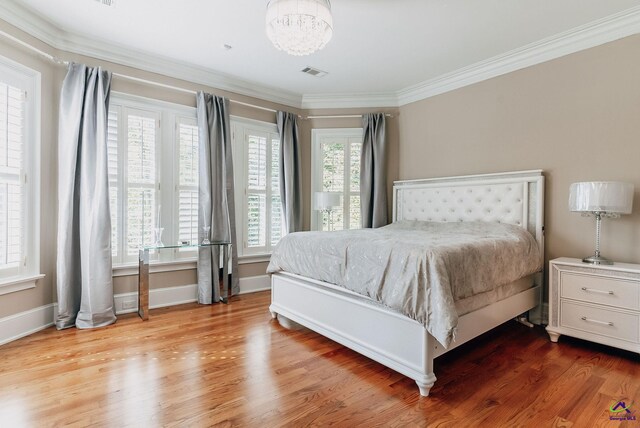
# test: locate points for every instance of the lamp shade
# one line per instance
(326, 200)
(601, 196)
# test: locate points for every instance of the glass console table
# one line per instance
(143, 272)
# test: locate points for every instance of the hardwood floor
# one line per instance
(232, 365)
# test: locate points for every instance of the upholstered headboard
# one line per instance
(513, 197)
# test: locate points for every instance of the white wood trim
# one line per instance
(26, 20)
(25, 323)
(171, 296)
(596, 33)
(22, 324)
(608, 29)
(11, 285)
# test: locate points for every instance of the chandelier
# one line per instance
(299, 27)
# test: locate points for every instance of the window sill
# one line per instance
(176, 265)
(11, 285)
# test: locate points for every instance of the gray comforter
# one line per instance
(417, 268)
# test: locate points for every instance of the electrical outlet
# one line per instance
(129, 304)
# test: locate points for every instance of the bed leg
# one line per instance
(273, 313)
(425, 387)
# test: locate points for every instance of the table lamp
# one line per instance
(326, 202)
(600, 199)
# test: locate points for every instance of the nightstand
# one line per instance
(595, 302)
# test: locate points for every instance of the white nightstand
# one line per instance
(595, 302)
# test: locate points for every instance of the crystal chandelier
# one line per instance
(299, 27)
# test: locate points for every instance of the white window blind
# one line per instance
(187, 187)
(336, 168)
(113, 170)
(258, 155)
(19, 176)
(12, 227)
(142, 181)
(153, 177)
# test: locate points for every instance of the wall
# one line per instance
(52, 77)
(576, 117)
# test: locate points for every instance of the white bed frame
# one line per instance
(388, 337)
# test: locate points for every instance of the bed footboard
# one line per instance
(370, 330)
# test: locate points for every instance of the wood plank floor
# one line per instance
(232, 365)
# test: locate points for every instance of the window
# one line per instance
(257, 170)
(153, 176)
(153, 179)
(335, 167)
(19, 175)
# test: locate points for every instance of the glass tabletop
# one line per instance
(160, 247)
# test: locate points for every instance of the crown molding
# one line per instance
(587, 36)
(608, 29)
(349, 100)
(33, 24)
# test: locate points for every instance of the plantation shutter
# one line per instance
(112, 159)
(264, 210)
(141, 181)
(188, 181)
(12, 112)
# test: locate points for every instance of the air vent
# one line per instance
(107, 2)
(314, 72)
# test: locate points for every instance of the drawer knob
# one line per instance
(610, 324)
(593, 290)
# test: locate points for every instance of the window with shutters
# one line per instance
(257, 164)
(187, 186)
(19, 176)
(153, 176)
(335, 167)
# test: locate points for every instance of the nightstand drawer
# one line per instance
(599, 289)
(600, 321)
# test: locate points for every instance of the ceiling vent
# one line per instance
(314, 72)
(107, 2)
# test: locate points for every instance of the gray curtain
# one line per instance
(84, 283)
(216, 201)
(290, 172)
(373, 176)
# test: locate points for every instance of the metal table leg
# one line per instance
(224, 295)
(143, 284)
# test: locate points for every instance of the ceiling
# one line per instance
(379, 49)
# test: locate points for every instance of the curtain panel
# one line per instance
(216, 195)
(84, 271)
(373, 175)
(290, 171)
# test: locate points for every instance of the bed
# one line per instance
(402, 341)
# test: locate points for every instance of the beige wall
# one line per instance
(52, 77)
(43, 293)
(577, 118)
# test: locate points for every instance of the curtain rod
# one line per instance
(59, 61)
(341, 116)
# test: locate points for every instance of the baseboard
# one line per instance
(252, 284)
(25, 323)
(170, 296)
(28, 322)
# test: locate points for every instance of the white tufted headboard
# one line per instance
(512, 197)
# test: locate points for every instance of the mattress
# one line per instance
(420, 269)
